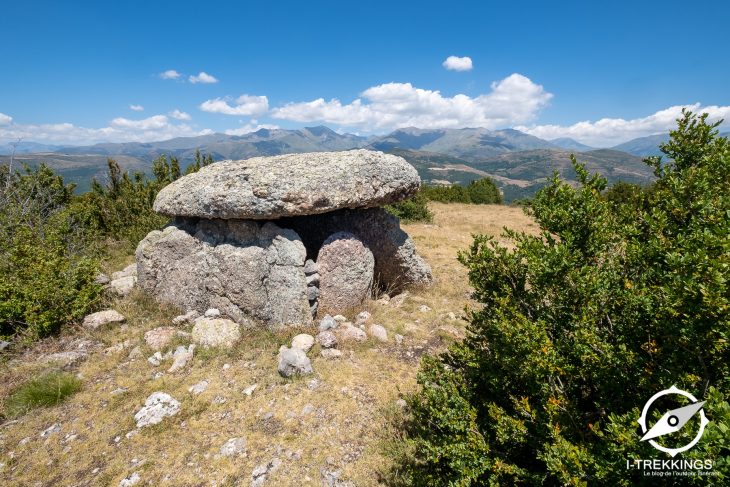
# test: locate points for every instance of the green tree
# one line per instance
(483, 192)
(580, 325)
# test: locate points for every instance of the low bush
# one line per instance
(46, 390)
(414, 209)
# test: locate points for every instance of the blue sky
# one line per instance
(599, 72)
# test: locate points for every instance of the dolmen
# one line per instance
(275, 241)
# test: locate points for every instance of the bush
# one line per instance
(484, 192)
(47, 390)
(480, 192)
(414, 209)
(578, 327)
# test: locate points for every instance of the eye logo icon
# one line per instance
(672, 421)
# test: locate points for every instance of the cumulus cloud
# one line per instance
(136, 108)
(179, 115)
(5, 119)
(252, 126)
(157, 127)
(245, 105)
(170, 74)
(456, 63)
(203, 78)
(608, 132)
(514, 99)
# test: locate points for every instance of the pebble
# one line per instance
(327, 323)
(199, 388)
(212, 313)
(303, 342)
(327, 339)
(330, 353)
(233, 447)
(249, 390)
(379, 333)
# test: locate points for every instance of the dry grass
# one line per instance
(344, 431)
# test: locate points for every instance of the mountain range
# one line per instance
(520, 163)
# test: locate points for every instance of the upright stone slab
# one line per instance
(345, 272)
(245, 269)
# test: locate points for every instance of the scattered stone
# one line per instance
(212, 313)
(249, 390)
(327, 339)
(307, 409)
(261, 472)
(161, 337)
(398, 300)
(133, 479)
(101, 279)
(124, 285)
(4, 345)
(424, 309)
(313, 280)
(328, 323)
(348, 332)
(188, 317)
(66, 359)
(130, 270)
(340, 318)
(157, 407)
(216, 332)
(451, 315)
(330, 353)
(54, 428)
(181, 357)
(399, 339)
(119, 390)
(346, 270)
(362, 318)
(310, 267)
(155, 359)
(226, 366)
(198, 388)
(378, 332)
(312, 293)
(303, 342)
(135, 353)
(401, 403)
(219, 400)
(235, 447)
(102, 318)
(293, 361)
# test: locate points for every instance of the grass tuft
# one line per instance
(46, 390)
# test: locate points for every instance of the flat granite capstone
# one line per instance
(266, 188)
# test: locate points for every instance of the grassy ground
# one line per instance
(331, 421)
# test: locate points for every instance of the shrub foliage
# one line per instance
(580, 325)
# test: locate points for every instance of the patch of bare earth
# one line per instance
(324, 428)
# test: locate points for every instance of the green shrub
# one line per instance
(578, 327)
(484, 192)
(414, 209)
(454, 193)
(47, 390)
(479, 192)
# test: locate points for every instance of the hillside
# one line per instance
(332, 424)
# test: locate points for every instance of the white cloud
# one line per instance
(515, 99)
(136, 108)
(202, 77)
(246, 105)
(5, 119)
(608, 132)
(252, 126)
(170, 74)
(157, 127)
(178, 115)
(455, 63)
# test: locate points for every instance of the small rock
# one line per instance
(451, 316)
(330, 353)
(312, 293)
(159, 338)
(157, 407)
(303, 342)
(327, 323)
(124, 285)
(219, 400)
(351, 333)
(249, 390)
(378, 332)
(133, 479)
(102, 279)
(66, 359)
(234, 447)
(226, 366)
(188, 317)
(216, 332)
(212, 313)
(293, 361)
(313, 280)
(198, 388)
(313, 309)
(384, 299)
(313, 384)
(398, 300)
(181, 357)
(261, 472)
(54, 428)
(130, 270)
(4, 345)
(155, 359)
(119, 390)
(340, 318)
(102, 318)
(135, 353)
(307, 409)
(424, 309)
(362, 318)
(399, 339)
(327, 339)
(310, 267)
(401, 403)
